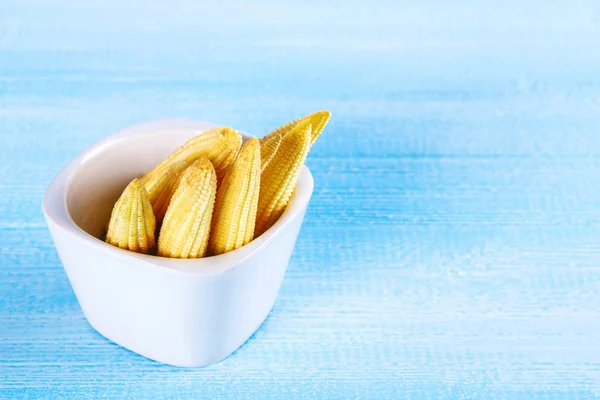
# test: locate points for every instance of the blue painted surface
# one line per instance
(451, 249)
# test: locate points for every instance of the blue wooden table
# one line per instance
(451, 248)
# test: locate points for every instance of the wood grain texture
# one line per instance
(451, 248)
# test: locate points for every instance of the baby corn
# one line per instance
(268, 150)
(132, 221)
(219, 145)
(279, 178)
(237, 200)
(161, 186)
(317, 119)
(211, 196)
(186, 226)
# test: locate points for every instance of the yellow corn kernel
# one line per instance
(132, 221)
(237, 200)
(186, 227)
(278, 180)
(219, 145)
(268, 150)
(161, 186)
(318, 121)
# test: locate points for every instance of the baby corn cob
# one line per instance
(317, 119)
(237, 200)
(132, 221)
(278, 180)
(268, 150)
(186, 227)
(161, 186)
(219, 145)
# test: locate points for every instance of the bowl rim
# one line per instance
(55, 209)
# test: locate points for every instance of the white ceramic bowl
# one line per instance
(180, 312)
